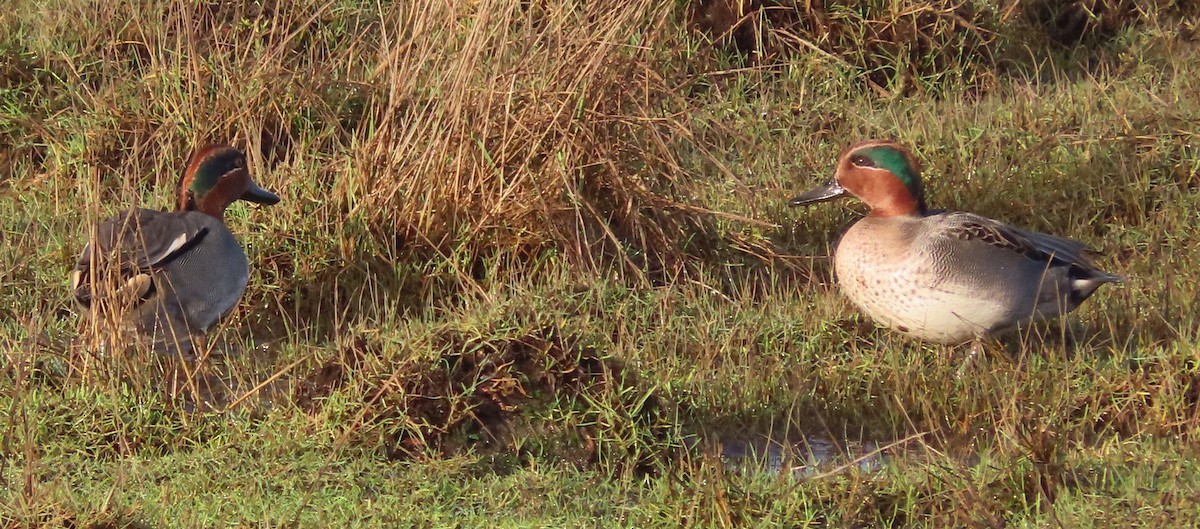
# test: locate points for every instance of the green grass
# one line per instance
(533, 265)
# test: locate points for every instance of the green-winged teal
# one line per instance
(172, 275)
(947, 277)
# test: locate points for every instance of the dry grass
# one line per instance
(513, 127)
(921, 46)
(898, 47)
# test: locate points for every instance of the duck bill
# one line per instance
(829, 191)
(259, 195)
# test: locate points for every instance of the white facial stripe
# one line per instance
(877, 172)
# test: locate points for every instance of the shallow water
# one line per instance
(808, 457)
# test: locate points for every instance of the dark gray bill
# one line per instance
(259, 195)
(829, 191)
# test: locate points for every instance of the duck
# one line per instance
(949, 277)
(170, 276)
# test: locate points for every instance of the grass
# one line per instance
(534, 263)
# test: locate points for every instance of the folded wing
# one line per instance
(118, 264)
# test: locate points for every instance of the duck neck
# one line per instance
(208, 204)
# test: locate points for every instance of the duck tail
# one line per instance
(1085, 281)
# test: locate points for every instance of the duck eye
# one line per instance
(862, 161)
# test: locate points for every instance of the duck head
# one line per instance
(216, 177)
(881, 173)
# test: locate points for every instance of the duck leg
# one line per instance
(973, 354)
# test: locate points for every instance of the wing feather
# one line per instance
(127, 248)
(1037, 246)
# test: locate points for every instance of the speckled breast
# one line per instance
(902, 287)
